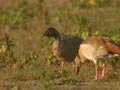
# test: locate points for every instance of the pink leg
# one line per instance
(62, 66)
(103, 70)
(77, 70)
(96, 68)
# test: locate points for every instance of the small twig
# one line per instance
(89, 31)
(10, 52)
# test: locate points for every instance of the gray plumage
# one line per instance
(65, 46)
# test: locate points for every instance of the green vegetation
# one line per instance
(26, 57)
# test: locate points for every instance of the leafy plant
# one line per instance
(6, 50)
(8, 58)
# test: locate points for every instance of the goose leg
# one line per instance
(77, 70)
(96, 69)
(62, 65)
(103, 70)
(77, 65)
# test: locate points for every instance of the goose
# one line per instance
(96, 49)
(64, 46)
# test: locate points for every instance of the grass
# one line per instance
(24, 22)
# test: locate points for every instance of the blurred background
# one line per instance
(23, 21)
(29, 18)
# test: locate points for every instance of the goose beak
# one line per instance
(42, 35)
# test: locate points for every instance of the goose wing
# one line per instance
(111, 46)
(70, 46)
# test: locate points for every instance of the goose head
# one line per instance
(52, 32)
